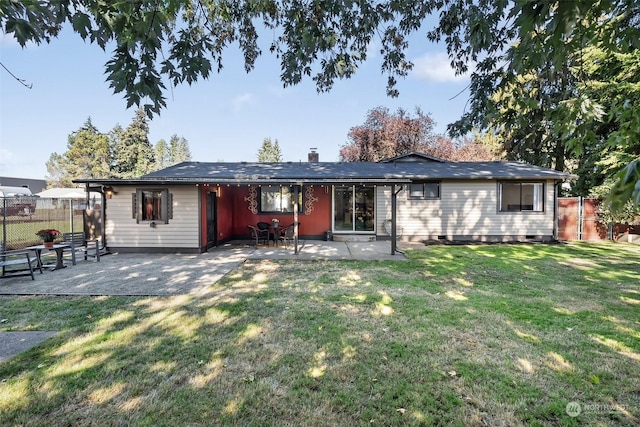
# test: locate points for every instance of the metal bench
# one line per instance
(80, 245)
(20, 258)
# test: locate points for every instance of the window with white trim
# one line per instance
(521, 197)
(424, 190)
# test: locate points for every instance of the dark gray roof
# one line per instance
(339, 172)
(413, 156)
(358, 171)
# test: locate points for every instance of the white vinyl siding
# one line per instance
(466, 209)
(182, 231)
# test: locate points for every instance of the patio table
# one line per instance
(276, 230)
(58, 247)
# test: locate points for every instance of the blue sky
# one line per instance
(224, 118)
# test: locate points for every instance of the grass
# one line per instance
(457, 335)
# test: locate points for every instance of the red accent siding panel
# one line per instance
(315, 223)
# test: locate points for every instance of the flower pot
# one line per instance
(48, 244)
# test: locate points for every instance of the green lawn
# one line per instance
(458, 335)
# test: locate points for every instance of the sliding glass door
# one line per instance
(353, 208)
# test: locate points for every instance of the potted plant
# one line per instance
(48, 235)
(275, 222)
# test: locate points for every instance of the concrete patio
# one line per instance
(176, 274)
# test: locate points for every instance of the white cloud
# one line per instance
(6, 155)
(435, 67)
(277, 91)
(373, 49)
(240, 101)
(7, 163)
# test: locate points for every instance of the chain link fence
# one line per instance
(21, 218)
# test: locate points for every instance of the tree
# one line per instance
(88, 153)
(530, 80)
(329, 40)
(162, 154)
(56, 170)
(385, 135)
(179, 150)
(483, 147)
(269, 152)
(613, 141)
(134, 155)
(176, 151)
(627, 214)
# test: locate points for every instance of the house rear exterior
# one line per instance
(193, 206)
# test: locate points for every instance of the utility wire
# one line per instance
(22, 81)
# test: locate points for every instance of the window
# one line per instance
(521, 196)
(278, 199)
(152, 205)
(424, 190)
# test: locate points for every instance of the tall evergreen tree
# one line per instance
(57, 172)
(178, 150)
(88, 153)
(174, 152)
(269, 152)
(162, 154)
(134, 155)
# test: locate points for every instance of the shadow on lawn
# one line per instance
(457, 335)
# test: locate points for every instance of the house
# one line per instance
(69, 197)
(193, 206)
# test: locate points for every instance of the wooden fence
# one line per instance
(578, 220)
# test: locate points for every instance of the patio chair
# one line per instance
(80, 245)
(265, 227)
(26, 264)
(287, 235)
(258, 235)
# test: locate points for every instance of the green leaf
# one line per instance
(81, 24)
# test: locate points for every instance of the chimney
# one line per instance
(313, 156)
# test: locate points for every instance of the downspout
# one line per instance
(103, 214)
(296, 191)
(556, 209)
(71, 215)
(394, 204)
(393, 219)
(4, 224)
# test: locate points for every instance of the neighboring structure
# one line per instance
(192, 206)
(16, 201)
(50, 197)
(35, 185)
